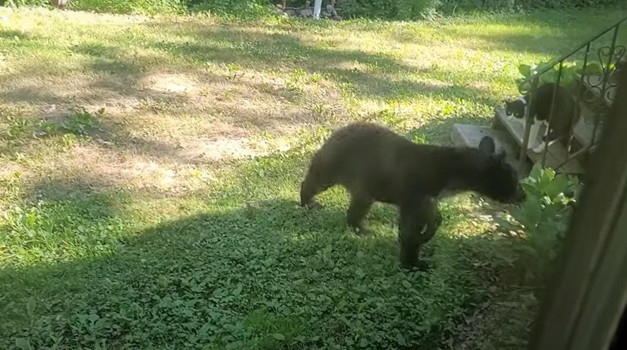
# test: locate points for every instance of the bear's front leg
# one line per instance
(357, 210)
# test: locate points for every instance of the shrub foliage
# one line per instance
(382, 9)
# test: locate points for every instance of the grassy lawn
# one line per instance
(150, 168)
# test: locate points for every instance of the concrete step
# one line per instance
(470, 135)
(467, 135)
(556, 155)
(515, 127)
(582, 130)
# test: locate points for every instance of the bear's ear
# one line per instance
(487, 145)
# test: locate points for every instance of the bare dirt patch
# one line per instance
(97, 168)
(163, 115)
(170, 83)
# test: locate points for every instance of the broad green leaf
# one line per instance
(23, 343)
(530, 213)
(536, 171)
(549, 173)
(557, 186)
(524, 69)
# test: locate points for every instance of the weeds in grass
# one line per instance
(81, 122)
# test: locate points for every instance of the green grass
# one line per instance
(151, 166)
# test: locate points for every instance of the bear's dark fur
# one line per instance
(375, 164)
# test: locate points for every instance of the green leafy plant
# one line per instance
(238, 8)
(386, 9)
(571, 73)
(544, 217)
(16, 128)
(82, 121)
(390, 9)
(145, 7)
(549, 198)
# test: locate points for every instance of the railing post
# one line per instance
(548, 129)
(522, 156)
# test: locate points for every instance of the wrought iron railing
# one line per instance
(595, 88)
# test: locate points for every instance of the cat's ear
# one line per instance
(487, 145)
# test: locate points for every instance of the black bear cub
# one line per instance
(375, 164)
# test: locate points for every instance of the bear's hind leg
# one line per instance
(433, 219)
(416, 217)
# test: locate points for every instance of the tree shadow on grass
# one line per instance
(238, 276)
(125, 83)
(120, 76)
(262, 51)
(70, 189)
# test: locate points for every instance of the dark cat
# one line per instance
(566, 110)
